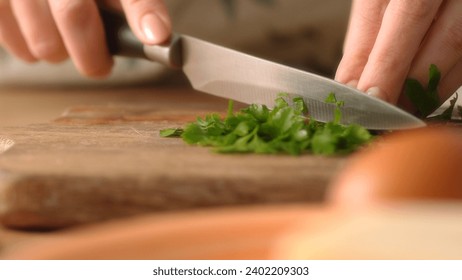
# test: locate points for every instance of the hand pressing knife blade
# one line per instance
(234, 75)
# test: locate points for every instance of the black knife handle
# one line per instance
(122, 42)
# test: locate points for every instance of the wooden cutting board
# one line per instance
(98, 162)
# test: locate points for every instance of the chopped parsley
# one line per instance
(286, 129)
(171, 132)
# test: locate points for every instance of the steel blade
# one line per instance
(230, 74)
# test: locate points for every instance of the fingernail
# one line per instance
(154, 29)
(352, 83)
(377, 93)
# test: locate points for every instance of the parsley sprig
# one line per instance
(286, 128)
(426, 100)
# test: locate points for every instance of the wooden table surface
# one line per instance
(47, 124)
(21, 106)
(37, 119)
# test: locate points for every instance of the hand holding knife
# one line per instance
(230, 74)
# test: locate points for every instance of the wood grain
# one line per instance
(98, 162)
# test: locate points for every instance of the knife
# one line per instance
(234, 75)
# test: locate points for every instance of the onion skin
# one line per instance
(420, 164)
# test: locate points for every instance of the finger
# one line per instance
(10, 35)
(148, 19)
(442, 45)
(451, 82)
(80, 26)
(403, 28)
(365, 20)
(39, 29)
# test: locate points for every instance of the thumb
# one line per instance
(149, 20)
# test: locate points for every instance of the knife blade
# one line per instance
(227, 73)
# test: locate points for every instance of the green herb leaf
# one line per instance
(283, 129)
(230, 109)
(171, 132)
(338, 104)
(426, 100)
(434, 79)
